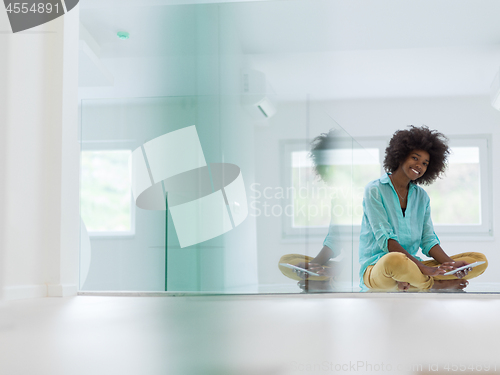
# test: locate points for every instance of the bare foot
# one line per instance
(315, 285)
(450, 284)
(403, 286)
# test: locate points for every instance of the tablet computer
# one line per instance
(472, 265)
(291, 266)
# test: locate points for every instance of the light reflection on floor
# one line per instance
(292, 334)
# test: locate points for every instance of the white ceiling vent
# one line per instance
(257, 96)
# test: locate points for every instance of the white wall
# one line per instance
(40, 220)
(372, 118)
(4, 45)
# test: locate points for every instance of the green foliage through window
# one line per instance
(106, 190)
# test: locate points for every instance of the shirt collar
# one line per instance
(386, 180)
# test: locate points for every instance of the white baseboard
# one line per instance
(61, 290)
(24, 291)
(38, 291)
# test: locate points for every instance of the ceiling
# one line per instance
(330, 49)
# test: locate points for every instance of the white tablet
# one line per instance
(299, 269)
(472, 265)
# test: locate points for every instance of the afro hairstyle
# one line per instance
(403, 142)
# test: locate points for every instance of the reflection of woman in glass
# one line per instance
(320, 264)
(397, 220)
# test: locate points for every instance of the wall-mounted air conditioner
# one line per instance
(256, 95)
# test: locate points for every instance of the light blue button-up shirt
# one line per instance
(383, 220)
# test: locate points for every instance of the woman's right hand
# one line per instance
(432, 271)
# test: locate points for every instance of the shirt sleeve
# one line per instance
(429, 237)
(376, 213)
(332, 239)
(329, 239)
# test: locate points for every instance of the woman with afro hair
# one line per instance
(397, 220)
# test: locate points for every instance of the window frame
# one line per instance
(118, 145)
(469, 232)
(485, 229)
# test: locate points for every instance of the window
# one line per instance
(462, 204)
(460, 201)
(315, 203)
(106, 201)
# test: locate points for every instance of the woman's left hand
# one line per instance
(458, 264)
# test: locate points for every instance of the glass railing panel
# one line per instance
(284, 207)
(126, 244)
(257, 96)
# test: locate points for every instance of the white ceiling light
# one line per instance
(123, 35)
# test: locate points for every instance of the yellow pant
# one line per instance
(295, 259)
(394, 267)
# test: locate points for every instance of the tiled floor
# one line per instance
(287, 334)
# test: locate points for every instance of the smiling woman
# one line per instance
(397, 220)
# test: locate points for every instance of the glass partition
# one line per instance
(176, 198)
(197, 175)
